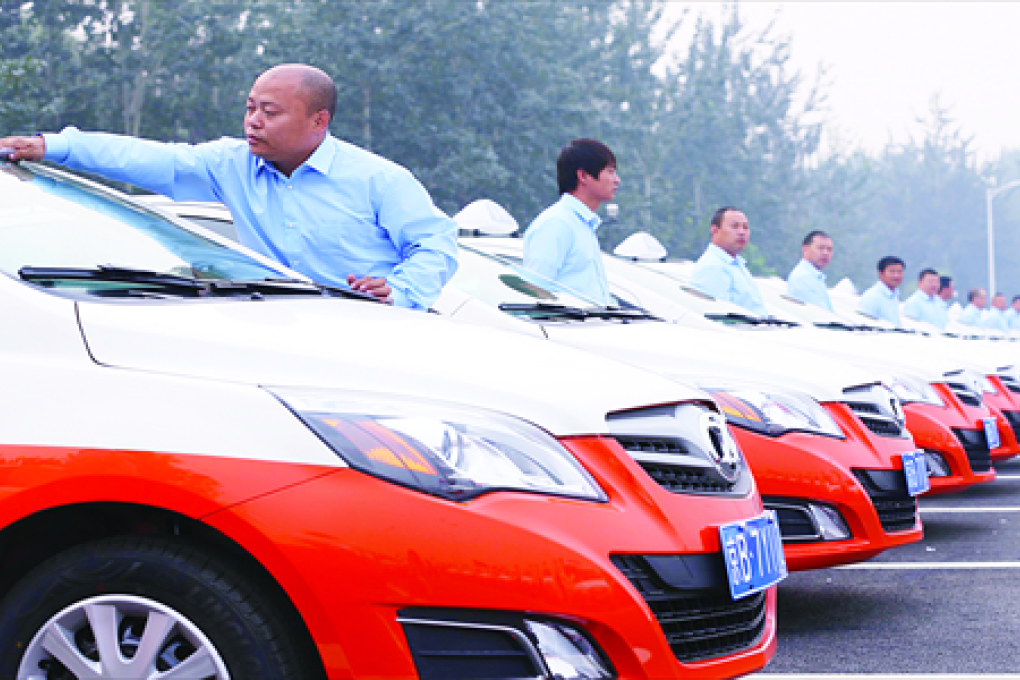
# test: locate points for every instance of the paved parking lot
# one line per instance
(949, 605)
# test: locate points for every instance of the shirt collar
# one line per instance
(320, 160)
(586, 214)
(812, 268)
(720, 254)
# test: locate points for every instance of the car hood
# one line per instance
(354, 345)
(714, 357)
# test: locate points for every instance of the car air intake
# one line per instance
(689, 596)
(976, 446)
(897, 509)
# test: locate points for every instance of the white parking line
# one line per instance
(931, 566)
(970, 509)
(888, 676)
(1002, 476)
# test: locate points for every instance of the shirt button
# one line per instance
(290, 186)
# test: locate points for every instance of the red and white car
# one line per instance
(212, 468)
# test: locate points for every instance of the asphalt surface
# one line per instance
(949, 605)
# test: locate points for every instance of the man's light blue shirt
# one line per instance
(561, 245)
(806, 283)
(725, 277)
(995, 318)
(1013, 318)
(928, 308)
(881, 302)
(970, 315)
(343, 211)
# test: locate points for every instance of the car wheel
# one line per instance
(142, 607)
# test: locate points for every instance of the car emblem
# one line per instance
(722, 447)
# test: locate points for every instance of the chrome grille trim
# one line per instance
(878, 409)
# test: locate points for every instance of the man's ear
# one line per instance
(582, 177)
(321, 119)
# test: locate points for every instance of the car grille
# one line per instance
(874, 421)
(675, 478)
(964, 393)
(976, 446)
(699, 622)
(877, 408)
(1014, 421)
(897, 509)
(1011, 383)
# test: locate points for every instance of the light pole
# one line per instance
(990, 194)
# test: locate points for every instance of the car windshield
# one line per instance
(495, 281)
(52, 223)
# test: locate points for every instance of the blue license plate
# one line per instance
(991, 432)
(915, 467)
(753, 550)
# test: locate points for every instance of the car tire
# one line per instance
(140, 607)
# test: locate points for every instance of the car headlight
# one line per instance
(773, 413)
(909, 389)
(452, 451)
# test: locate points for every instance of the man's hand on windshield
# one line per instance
(371, 285)
(24, 148)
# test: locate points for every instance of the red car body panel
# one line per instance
(932, 427)
(817, 468)
(351, 550)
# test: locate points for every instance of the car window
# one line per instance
(53, 220)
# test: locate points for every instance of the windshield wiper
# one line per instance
(621, 314)
(112, 273)
(544, 310)
(558, 311)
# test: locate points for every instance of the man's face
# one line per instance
(602, 188)
(980, 300)
(892, 276)
(949, 292)
(278, 124)
(999, 302)
(929, 283)
(819, 251)
(1016, 305)
(733, 233)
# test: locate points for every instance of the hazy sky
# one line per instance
(887, 59)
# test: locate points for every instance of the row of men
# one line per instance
(330, 210)
(342, 215)
(930, 303)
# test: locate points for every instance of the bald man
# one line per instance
(330, 210)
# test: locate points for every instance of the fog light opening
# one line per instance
(937, 465)
(568, 654)
(831, 525)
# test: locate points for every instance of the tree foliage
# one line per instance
(477, 96)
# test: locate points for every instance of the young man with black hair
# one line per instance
(720, 271)
(882, 300)
(806, 281)
(925, 304)
(561, 243)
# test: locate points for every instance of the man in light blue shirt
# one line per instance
(807, 280)
(995, 317)
(925, 304)
(720, 271)
(882, 300)
(561, 243)
(334, 212)
(973, 312)
(1013, 314)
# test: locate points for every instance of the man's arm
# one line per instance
(546, 245)
(870, 304)
(425, 238)
(176, 170)
(712, 280)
